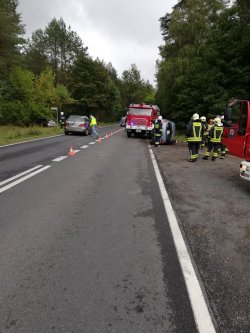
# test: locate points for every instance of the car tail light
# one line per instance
(83, 125)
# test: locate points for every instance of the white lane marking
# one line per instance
(19, 175)
(59, 159)
(201, 313)
(76, 150)
(19, 143)
(7, 187)
(92, 143)
(84, 147)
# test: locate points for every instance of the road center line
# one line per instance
(59, 159)
(92, 143)
(19, 175)
(201, 313)
(7, 187)
(84, 147)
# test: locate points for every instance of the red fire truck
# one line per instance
(236, 134)
(141, 119)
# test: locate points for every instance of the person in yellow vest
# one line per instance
(214, 135)
(194, 132)
(93, 125)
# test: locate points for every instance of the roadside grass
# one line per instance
(13, 134)
(180, 136)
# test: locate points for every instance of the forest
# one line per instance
(205, 58)
(52, 69)
(204, 61)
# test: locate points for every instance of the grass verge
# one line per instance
(13, 134)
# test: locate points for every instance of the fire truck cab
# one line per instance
(236, 134)
(141, 119)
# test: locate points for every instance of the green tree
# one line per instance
(11, 32)
(188, 78)
(131, 86)
(58, 45)
(92, 87)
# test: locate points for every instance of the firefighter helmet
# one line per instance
(195, 116)
(203, 119)
(217, 121)
(160, 118)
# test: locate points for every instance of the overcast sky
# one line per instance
(116, 31)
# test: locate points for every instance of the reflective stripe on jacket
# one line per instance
(194, 132)
(158, 129)
(215, 134)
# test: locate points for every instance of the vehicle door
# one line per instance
(235, 135)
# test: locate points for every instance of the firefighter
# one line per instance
(222, 147)
(205, 126)
(194, 132)
(158, 131)
(210, 124)
(214, 135)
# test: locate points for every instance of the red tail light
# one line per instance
(83, 125)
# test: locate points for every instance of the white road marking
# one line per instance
(76, 150)
(19, 143)
(92, 143)
(19, 175)
(7, 187)
(59, 159)
(201, 313)
(84, 147)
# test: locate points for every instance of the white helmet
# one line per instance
(195, 116)
(160, 118)
(203, 119)
(217, 121)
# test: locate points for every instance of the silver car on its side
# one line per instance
(77, 124)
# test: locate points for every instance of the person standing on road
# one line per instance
(204, 124)
(214, 136)
(158, 131)
(222, 147)
(93, 125)
(194, 132)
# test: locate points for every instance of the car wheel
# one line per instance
(128, 134)
(66, 133)
(86, 132)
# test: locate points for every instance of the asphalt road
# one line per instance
(85, 244)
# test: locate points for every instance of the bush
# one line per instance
(11, 112)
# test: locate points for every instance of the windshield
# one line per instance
(140, 112)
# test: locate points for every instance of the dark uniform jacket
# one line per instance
(158, 128)
(215, 134)
(194, 131)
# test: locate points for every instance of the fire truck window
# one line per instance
(243, 117)
(235, 113)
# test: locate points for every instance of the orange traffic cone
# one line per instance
(71, 151)
(99, 140)
(106, 136)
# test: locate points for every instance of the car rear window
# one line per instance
(75, 118)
